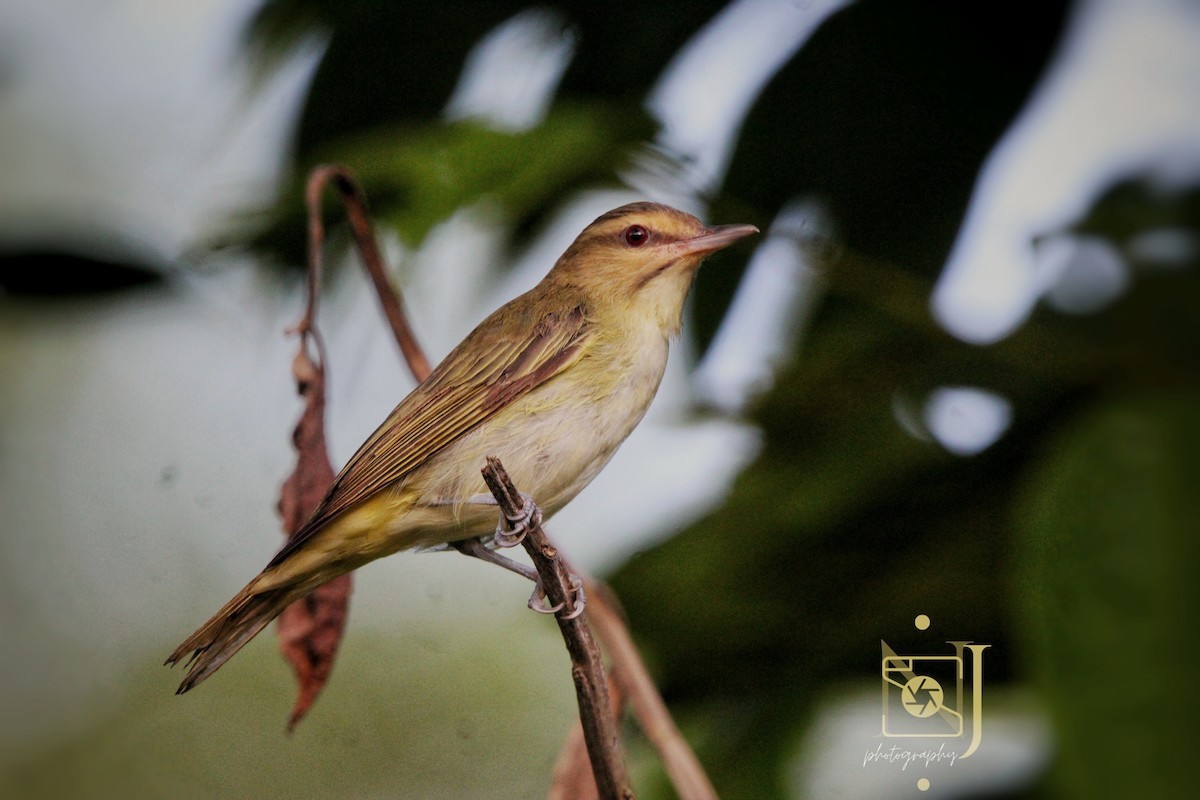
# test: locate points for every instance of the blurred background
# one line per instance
(957, 376)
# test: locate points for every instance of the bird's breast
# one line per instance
(556, 438)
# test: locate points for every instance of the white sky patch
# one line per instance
(510, 77)
(1121, 98)
(966, 420)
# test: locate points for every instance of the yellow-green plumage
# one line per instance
(552, 383)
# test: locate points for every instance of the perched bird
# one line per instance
(551, 383)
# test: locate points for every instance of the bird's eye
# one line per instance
(636, 235)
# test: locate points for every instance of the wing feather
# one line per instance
(474, 382)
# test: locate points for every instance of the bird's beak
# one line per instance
(712, 240)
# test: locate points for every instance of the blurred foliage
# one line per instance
(886, 115)
(388, 64)
(1105, 554)
(1068, 544)
(888, 112)
(388, 72)
(417, 176)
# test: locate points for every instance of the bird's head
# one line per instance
(640, 259)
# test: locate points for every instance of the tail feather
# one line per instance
(241, 619)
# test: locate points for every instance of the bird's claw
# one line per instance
(511, 530)
(537, 600)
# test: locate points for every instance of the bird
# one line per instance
(551, 383)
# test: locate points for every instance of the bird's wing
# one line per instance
(475, 381)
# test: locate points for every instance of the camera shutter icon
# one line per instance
(922, 696)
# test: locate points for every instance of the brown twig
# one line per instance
(587, 668)
(389, 296)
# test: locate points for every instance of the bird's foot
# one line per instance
(511, 530)
(537, 600)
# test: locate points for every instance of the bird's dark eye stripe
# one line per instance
(636, 235)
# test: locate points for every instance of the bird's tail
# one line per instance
(238, 622)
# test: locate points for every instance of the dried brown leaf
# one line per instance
(310, 629)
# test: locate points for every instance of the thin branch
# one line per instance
(390, 299)
(587, 669)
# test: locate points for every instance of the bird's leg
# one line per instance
(475, 548)
(528, 516)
